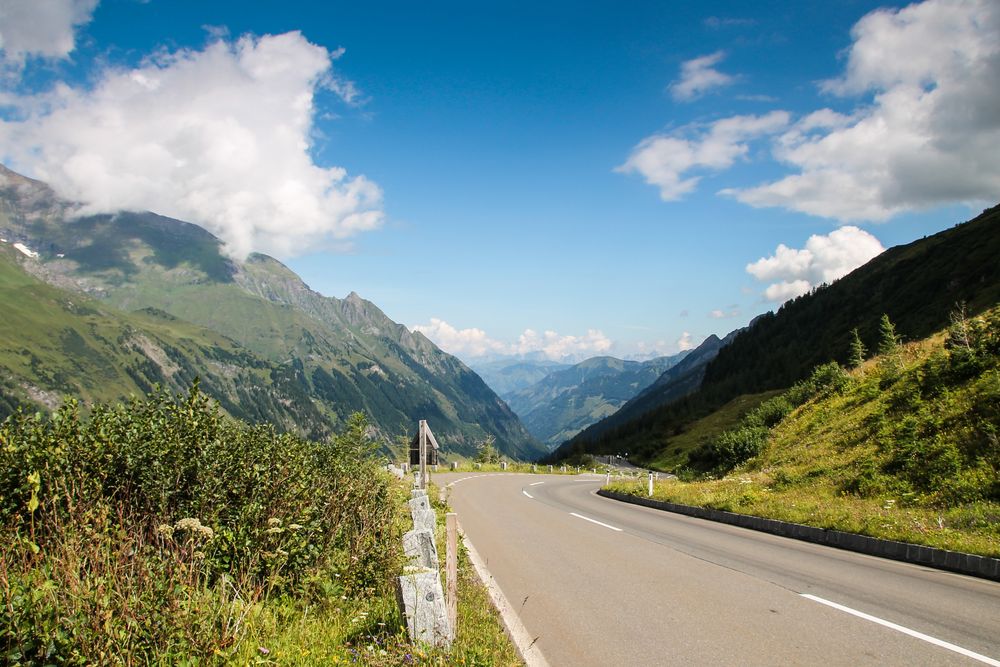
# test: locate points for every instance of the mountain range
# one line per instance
(100, 306)
(568, 400)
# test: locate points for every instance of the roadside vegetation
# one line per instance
(902, 446)
(162, 531)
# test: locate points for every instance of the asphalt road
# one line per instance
(599, 582)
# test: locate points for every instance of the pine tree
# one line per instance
(858, 350)
(888, 339)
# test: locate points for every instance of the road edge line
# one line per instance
(961, 650)
(526, 648)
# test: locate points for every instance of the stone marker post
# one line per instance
(451, 570)
(650, 485)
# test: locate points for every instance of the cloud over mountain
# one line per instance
(474, 342)
(219, 136)
(793, 272)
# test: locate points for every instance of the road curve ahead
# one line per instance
(600, 582)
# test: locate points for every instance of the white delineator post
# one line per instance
(451, 570)
(650, 485)
(423, 454)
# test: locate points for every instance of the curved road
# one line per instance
(599, 582)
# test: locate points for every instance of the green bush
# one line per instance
(151, 529)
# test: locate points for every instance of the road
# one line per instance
(599, 582)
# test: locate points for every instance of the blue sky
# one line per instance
(621, 176)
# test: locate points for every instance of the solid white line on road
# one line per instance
(536, 483)
(527, 647)
(527, 494)
(587, 518)
(906, 631)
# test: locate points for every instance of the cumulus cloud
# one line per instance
(556, 346)
(41, 28)
(664, 160)
(473, 342)
(220, 137)
(925, 132)
(461, 342)
(698, 76)
(793, 272)
(685, 342)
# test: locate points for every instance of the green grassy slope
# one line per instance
(55, 343)
(906, 447)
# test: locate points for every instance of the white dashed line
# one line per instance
(587, 518)
(536, 483)
(527, 494)
(906, 631)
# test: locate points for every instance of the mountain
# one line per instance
(343, 355)
(918, 285)
(505, 376)
(55, 343)
(676, 382)
(564, 402)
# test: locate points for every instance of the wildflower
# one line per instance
(194, 526)
(275, 530)
(166, 530)
(263, 650)
(274, 521)
(294, 526)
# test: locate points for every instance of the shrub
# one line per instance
(151, 529)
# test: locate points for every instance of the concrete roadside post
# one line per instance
(650, 494)
(550, 470)
(451, 570)
(423, 453)
(608, 480)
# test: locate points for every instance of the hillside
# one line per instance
(566, 401)
(903, 447)
(340, 355)
(55, 343)
(917, 285)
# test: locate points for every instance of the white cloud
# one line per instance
(42, 28)
(474, 342)
(220, 137)
(793, 272)
(928, 135)
(663, 160)
(461, 342)
(685, 342)
(556, 346)
(784, 290)
(698, 76)
(725, 313)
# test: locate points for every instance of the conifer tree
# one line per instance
(888, 339)
(858, 349)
